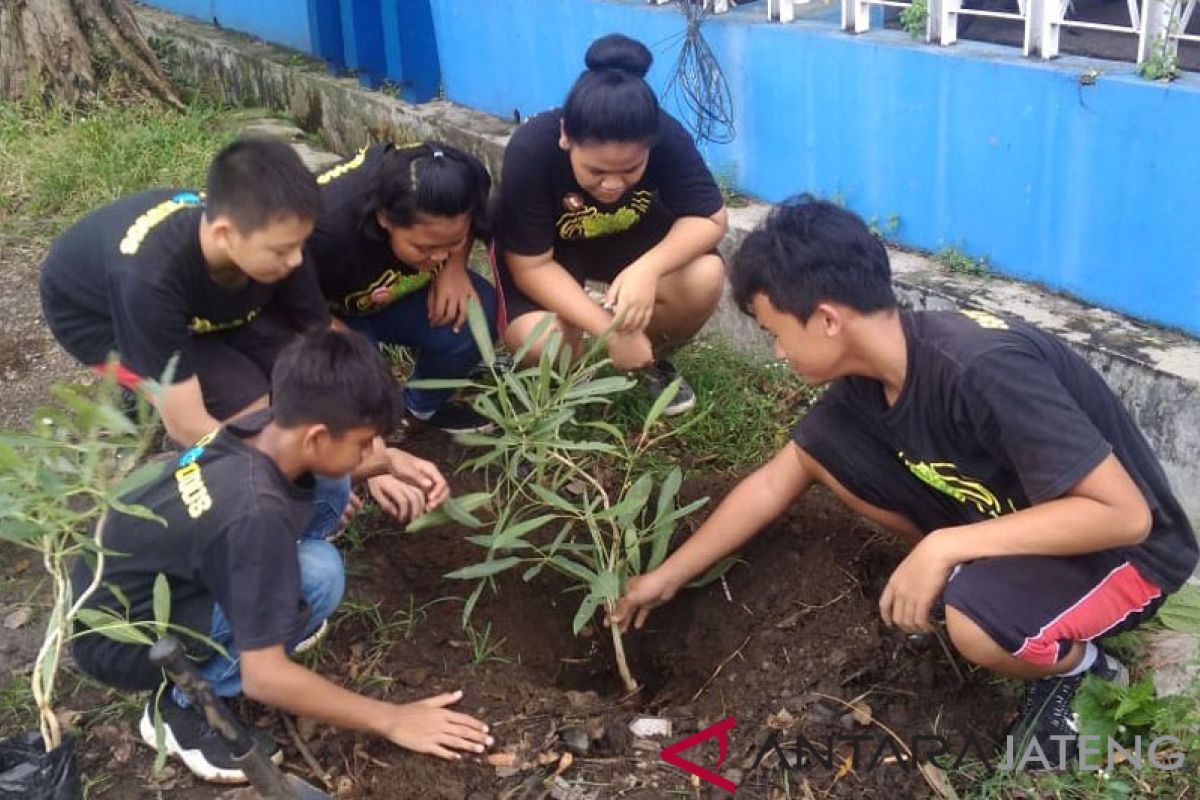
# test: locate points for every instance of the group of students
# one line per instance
(1039, 517)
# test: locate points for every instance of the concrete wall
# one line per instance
(1085, 188)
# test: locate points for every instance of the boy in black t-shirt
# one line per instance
(234, 505)
(1039, 517)
(218, 279)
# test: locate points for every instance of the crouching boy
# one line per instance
(240, 572)
(1040, 519)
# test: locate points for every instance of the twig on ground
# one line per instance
(720, 667)
(314, 766)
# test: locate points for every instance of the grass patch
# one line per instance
(57, 164)
(746, 407)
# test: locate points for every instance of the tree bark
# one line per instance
(64, 50)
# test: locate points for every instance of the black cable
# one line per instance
(699, 84)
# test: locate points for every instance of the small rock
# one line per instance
(307, 728)
(16, 619)
(818, 714)
(596, 728)
(576, 740)
(862, 714)
(781, 720)
(413, 676)
(501, 759)
(583, 699)
(648, 727)
(345, 787)
(847, 722)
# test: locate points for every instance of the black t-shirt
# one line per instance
(543, 207)
(232, 521)
(353, 257)
(131, 277)
(994, 416)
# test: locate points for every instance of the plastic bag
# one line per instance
(28, 772)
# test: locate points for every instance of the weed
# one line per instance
(915, 18)
(887, 230)
(57, 163)
(956, 260)
(483, 647)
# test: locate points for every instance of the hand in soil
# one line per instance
(421, 474)
(915, 585)
(398, 499)
(352, 507)
(643, 593)
(427, 726)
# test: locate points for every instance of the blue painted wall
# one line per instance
(1090, 189)
(284, 22)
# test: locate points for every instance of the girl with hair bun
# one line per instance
(610, 188)
(391, 248)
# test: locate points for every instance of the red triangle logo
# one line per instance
(721, 732)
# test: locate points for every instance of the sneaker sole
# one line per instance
(675, 409)
(194, 759)
(313, 640)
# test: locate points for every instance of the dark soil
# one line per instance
(797, 631)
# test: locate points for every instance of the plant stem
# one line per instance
(631, 685)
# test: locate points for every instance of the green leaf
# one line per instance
(442, 383)
(587, 610)
(518, 391)
(160, 730)
(607, 585)
(480, 331)
(714, 573)
(637, 497)
(539, 330)
(162, 603)
(118, 593)
(633, 550)
(455, 509)
(132, 510)
(480, 440)
(488, 542)
(140, 477)
(572, 568)
(112, 627)
(660, 405)
(484, 568)
(553, 499)
(1181, 611)
(602, 387)
(469, 606)
(514, 533)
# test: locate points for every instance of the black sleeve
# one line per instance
(684, 182)
(527, 206)
(1023, 413)
(298, 299)
(253, 572)
(150, 325)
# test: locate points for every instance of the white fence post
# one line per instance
(782, 10)
(1160, 20)
(856, 16)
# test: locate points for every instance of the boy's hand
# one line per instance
(353, 505)
(642, 594)
(399, 500)
(420, 474)
(427, 726)
(630, 350)
(915, 585)
(631, 297)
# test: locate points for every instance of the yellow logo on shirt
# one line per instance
(343, 168)
(202, 325)
(942, 476)
(590, 223)
(192, 490)
(985, 320)
(142, 226)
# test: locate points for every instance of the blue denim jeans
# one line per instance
(441, 353)
(322, 584)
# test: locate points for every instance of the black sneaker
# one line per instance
(1046, 712)
(188, 735)
(454, 417)
(658, 377)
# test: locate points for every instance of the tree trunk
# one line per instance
(65, 49)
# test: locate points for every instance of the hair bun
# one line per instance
(619, 52)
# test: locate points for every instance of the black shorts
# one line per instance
(234, 366)
(600, 259)
(1034, 607)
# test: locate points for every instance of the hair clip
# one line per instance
(438, 154)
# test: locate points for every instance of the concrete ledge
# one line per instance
(1155, 371)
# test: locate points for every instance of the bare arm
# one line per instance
(688, 239)
(426, 726)
(183, 412)
(1104, 510)
(548, 284)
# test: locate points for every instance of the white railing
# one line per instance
(716, 6)
(1158, 25)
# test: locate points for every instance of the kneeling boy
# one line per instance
(1038, 513)
(234, 505)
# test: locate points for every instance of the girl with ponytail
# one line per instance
(391, 250)
(610, 188)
